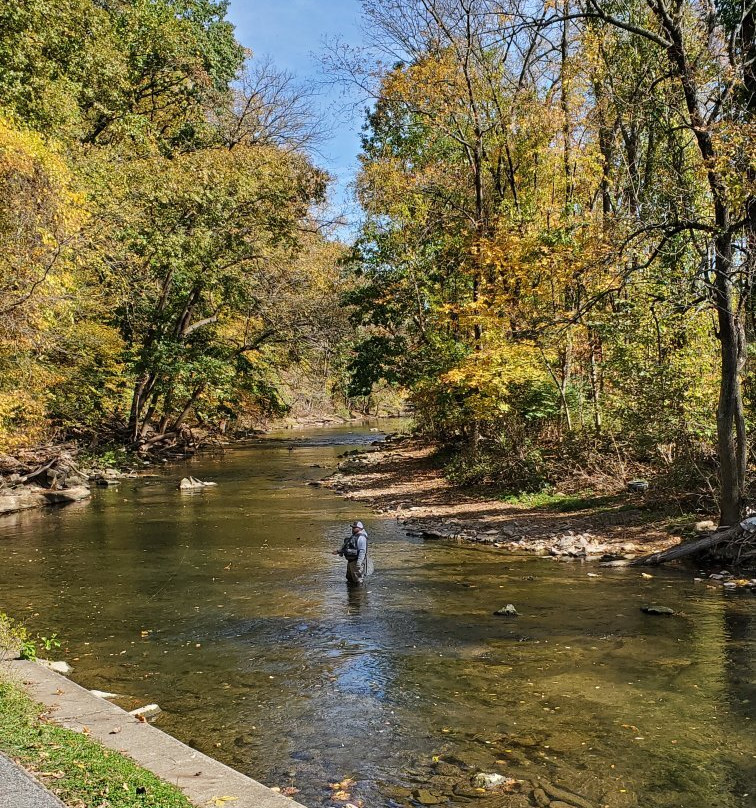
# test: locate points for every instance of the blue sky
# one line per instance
(292, 33)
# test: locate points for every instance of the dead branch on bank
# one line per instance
(731, 534)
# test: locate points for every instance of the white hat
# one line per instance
(359, 525)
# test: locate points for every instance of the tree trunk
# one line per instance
(731, 433)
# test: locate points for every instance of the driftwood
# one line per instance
(689, 548)
(40, 470)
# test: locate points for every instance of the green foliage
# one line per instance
(523, 470)
(153, 274)
(14, 637)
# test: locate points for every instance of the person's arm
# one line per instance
(361, 551)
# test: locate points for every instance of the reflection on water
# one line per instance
(227, 608)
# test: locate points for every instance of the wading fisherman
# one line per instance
(355, 551)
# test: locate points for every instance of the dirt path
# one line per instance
(401, 478)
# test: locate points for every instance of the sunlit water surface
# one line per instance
(227, 609)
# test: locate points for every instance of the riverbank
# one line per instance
(404, 478)
(91, 753)
(70, 765)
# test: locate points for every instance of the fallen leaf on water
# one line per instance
(344, 784)
(221, 801)
(341, 796)
(289, 791)
(646, 575)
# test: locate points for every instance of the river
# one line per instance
(227, 608)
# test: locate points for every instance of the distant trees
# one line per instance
(559, 237)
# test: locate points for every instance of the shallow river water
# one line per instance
(227, 609)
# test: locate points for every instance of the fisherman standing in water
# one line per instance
(355, 551)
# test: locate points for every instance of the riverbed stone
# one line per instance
(446, 769)
(468, 792)
(426, 797)
(442, 784)
(63, 496)
(507, 611)
(563, 742)
(541, 800)
(561, 794)
(505, 801)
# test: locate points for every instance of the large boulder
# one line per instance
(63, 496)
(21, 499)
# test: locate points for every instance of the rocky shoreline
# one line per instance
(55, 482)
(398, 477)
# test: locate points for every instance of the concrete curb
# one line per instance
(200, 777)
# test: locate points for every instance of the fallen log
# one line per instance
(688, 548)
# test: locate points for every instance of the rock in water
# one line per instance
(193, 484)
(488, 781)
(659, 610)
(508, 611)
(148, 711)
(65, 495)
(425, 797)
(103, 694)
(58, 665)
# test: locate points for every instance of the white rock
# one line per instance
(489, 781)
(104, 695)
(148, 711)
(193, 484)
(57, 666)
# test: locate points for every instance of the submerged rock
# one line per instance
(657, 610)
(508, 611)
(425, 797)
(541, 800)
(563, 796)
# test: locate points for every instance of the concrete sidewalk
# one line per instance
(19, 790)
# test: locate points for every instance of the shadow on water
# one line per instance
(228, 609)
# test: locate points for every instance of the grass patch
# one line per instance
(570, 503)
(78, 769)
